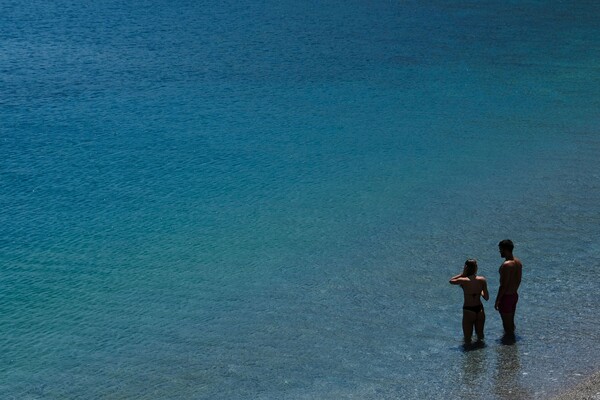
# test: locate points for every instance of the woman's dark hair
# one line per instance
(506, 244)
(470, 266)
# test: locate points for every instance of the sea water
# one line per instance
(265, 200)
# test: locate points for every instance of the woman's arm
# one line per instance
(457, 279)
(484, 292)
(460, 278)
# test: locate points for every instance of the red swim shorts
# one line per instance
(508, 303)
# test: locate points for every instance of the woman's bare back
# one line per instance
(473, 289)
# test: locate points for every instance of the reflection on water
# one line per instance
(474, 367)
(508, 376)
(474, 372)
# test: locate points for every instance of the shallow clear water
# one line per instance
(265, 200)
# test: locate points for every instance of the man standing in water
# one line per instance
(510, 279)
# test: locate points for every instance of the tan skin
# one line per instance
(474, 287)
(510, 279)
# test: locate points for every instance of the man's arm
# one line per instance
(504, 281)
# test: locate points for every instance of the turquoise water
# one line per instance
(265, 200)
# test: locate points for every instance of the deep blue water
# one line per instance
(265, 200)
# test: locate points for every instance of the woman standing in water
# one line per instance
(474, 287)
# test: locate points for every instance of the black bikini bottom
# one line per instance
(475, 309)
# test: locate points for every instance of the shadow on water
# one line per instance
(508, 339)
(467, 347)
(508, 377)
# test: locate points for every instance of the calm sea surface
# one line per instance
(265, 200)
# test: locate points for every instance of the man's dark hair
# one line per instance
(470, 266)
(506, 244)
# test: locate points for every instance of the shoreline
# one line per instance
(588, 389)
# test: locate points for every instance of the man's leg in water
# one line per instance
(508, 322)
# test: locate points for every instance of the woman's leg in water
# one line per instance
(479, 324)
(468, 321)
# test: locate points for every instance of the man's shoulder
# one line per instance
(511, 263)
(518, 262)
